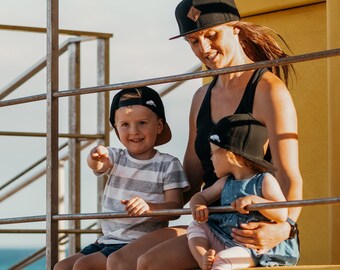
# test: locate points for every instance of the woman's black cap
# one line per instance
(195, 15)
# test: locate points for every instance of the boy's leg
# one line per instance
(67, 263)
(233, 258)
(126, 257)
(169, 255)
(94, 261)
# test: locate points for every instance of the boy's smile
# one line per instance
(138, 128)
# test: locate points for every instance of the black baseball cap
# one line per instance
(242, 134)
(195, 15)
(148, 98)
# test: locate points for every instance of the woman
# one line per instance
(219, 39)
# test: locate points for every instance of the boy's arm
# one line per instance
(173, 199)
(98, 159)
(271, 192)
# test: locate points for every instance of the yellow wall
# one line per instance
(305, 25)
(333, 40)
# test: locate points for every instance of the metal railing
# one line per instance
(52, 216)
(75, 138)
(193, 74)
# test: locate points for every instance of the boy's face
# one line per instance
(138, 128)
(220, 160)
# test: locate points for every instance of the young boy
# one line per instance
(141, 179)
(238, 145)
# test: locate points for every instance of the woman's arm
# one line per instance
(279, 116)
(271, 192)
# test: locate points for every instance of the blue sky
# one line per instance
(139, 49)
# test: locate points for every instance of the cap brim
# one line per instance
(165, 136)
(263, 163)
(199, 29)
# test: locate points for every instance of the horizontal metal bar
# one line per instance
(23, 219)
(181, 77)
(202, 74)
(176, 212)
(25, 76)
(61, 135)
(23, 100)
(172, 87)
(41, 252)
(61, 31)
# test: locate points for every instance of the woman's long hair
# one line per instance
(259, 44)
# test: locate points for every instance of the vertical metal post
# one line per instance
(52, 134)
(74, 146)
(62, 248)
(103, 100)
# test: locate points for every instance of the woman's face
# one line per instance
(215, 46)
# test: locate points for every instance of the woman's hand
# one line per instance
(136, 206)
(261, 236)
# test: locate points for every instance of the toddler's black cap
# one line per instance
(150, 99)
(242, 134)
(195, 15)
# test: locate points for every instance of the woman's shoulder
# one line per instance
(270, 82)
(272, 89)
(200, 92)
(199, 96)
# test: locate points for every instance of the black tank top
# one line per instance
(204, 124)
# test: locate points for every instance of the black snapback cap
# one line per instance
(195, 15)
(242, 134)
(148, 98)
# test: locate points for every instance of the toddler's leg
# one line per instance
(233, 258)
(203, 244)
(208, 259)
(199, 249)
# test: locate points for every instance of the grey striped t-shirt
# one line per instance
(147, 179)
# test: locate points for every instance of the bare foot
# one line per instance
(208, 259)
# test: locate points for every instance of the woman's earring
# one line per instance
(236, 31)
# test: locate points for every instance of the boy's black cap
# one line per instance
(242, 134)
(195, 15)
(150, 99)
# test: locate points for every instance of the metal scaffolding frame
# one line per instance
(52, 134)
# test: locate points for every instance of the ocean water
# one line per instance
(10, 257)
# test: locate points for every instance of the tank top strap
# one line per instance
(246, 104)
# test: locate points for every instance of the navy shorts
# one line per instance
(104, 249)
